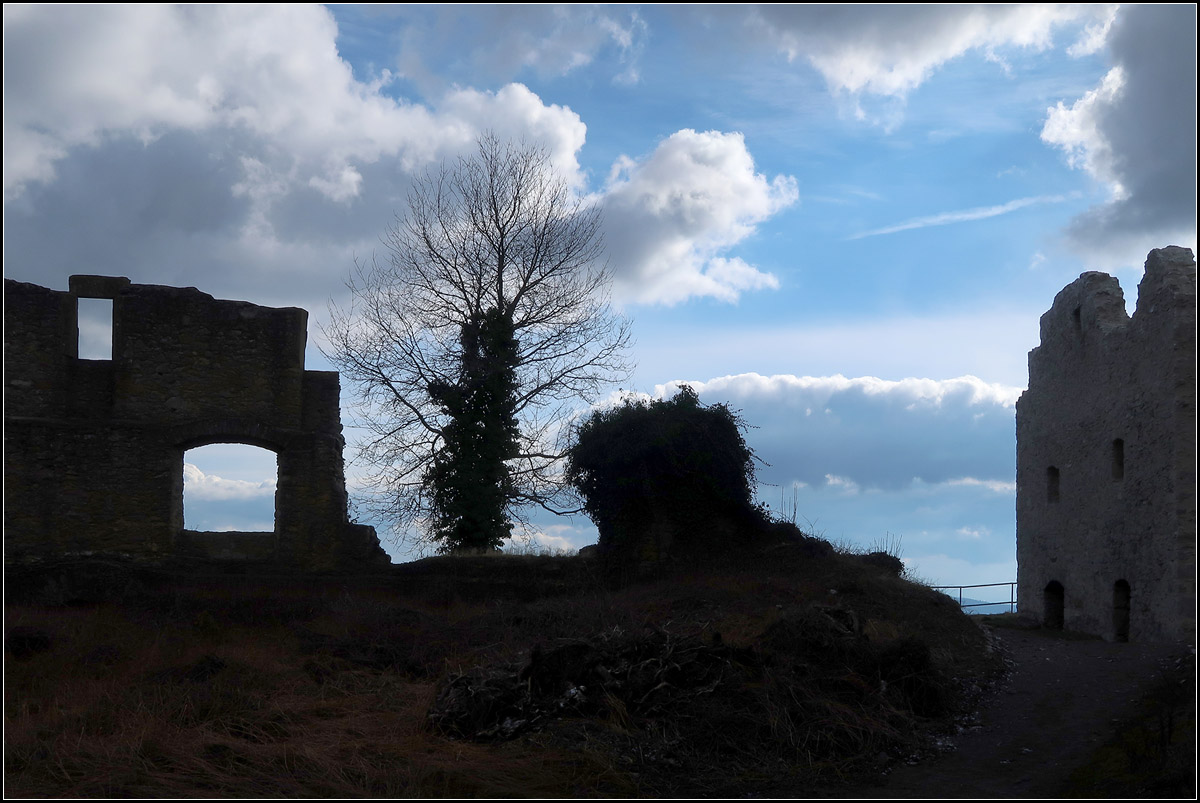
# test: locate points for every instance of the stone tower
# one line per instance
(1106, 458)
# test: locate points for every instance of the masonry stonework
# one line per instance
(93, 449)
(1106, 458)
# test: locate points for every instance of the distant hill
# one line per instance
(991, 607)
(969, 605)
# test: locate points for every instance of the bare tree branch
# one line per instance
(496, 231)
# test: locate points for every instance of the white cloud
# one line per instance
(1135, 133)
(840, 484)
(550, 538)
(201, 486)
(196, 140)
(669, 218)
(891, 50)
(1095, 33)
(270, 72)
(1077, 130)
(995, 486)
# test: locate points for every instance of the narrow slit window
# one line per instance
(1054, 606)
(1118, 459)
(1052, 484)
(1121, 600)
(1075, 317)
(95, 324)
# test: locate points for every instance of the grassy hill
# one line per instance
(786, 669)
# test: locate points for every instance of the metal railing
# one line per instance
(1012, 595)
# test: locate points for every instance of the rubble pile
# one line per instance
(616, 675)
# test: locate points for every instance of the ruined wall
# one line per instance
(1106, 450)
(94, 448)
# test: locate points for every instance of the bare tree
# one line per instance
(497, 237)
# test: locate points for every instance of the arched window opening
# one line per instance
(1118, 459)
(1052, 484)
(1121, 611)
(1053, 605)
(95, 326)
(229, 487)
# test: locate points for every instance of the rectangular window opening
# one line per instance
(95, 325)
(1118, 459)
(1052, 484)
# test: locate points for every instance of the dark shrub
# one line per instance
(886, 561)
(665, 475)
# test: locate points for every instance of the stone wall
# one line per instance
(94, 448)
(1106, 451)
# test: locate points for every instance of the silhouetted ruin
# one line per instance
(1106, 458)
(93, 449)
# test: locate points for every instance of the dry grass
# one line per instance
(323, 692)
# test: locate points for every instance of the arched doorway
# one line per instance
(1053, 605)
(1120, 611)
(229, 487)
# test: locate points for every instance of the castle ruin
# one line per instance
(1106, 458)
(93, 449)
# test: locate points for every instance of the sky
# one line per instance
(844, 221)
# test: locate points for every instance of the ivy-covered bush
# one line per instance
(664, 475)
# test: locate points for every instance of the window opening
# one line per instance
(1052, 484)
(1118, 459)
(229, 487)
(95, 326)
(1053, 604)
(1121, 611)
(1075, 317)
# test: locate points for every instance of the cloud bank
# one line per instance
(868, 433)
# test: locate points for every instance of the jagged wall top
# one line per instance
(1094, 304)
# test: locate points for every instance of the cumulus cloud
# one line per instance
(144, 70)
(669, 218)
(550, 538)
(196, 140)
(270, 72)
(179, 141)
(890, 50)
(1136, 134)
(198, 485)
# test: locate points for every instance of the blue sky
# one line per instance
(843, 220)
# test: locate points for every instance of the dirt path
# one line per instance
(1059, 704)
